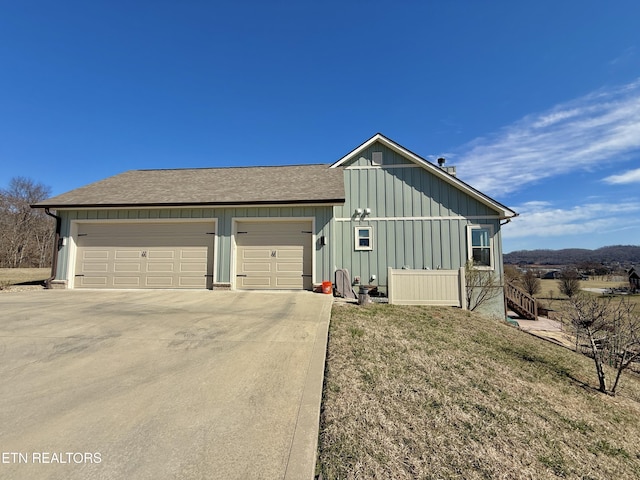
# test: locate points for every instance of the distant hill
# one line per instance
(624, 254)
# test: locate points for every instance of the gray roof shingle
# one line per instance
(209, 186)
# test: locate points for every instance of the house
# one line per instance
(280, 227)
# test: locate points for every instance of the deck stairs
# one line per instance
(520, 302)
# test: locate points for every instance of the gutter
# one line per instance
(259, 203)
(508, 219)
(56, 247)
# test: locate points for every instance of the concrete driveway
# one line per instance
(160, 384)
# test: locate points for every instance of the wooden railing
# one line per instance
(521, 302)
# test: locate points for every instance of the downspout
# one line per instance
(56, 248)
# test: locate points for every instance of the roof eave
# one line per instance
(327, 201)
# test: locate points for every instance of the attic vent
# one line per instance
(376, 158)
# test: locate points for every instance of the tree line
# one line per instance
(624, 254)
(26, 234)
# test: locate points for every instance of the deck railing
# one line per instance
(521, 302)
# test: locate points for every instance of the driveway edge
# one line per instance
(304, 446)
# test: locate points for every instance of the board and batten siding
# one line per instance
(419, 220)
(224, 217)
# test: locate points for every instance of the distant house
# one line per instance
(279, 227)
(551, 275)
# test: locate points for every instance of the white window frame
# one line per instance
(470, 247)
(357, 237)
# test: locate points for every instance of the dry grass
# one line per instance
(551, 297)
(418, 392)
(14, 276)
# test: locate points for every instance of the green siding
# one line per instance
(405, 192)
(417, 244)
(407, 204)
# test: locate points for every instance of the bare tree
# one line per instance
(612, 329)
(530, 282)
(569, 283)
(481, 285)
(512, 274)
(26, 234)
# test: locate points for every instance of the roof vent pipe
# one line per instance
(441, 162)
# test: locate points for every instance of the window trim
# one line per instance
(470, 247)
(356, 242)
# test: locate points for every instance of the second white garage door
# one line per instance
(144, 255)
(273, 255)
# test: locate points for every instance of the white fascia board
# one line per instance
(503, 211)
(160, 207)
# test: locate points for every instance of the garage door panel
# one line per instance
(126, 282)
(127, 254)
(159, 282)
(191, 282)
(125, 267)
(193, 268)
(294, 267)
(172, 255)
(96, 268)
(159, 267)
(273, 254)
(190, 254)
(279, 240)
(95, 255)
(161, 254)
(290, 253)
(256, 267)
(255, 282)
(253, 253)
(93, 282)
(290, 282)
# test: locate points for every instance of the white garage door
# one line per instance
(273, 255)
(144, 255)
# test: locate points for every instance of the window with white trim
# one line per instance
(480, 244)
(363, 238)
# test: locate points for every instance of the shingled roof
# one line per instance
(209, 186)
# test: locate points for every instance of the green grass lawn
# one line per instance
(426, 392)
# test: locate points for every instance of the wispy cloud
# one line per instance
(543, 219)
(580, 134)
(626, 57)
(631, 176)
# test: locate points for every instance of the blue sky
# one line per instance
(537, 103)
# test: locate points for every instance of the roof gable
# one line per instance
(351, 160)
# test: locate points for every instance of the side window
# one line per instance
(364, 238)
(480, 242)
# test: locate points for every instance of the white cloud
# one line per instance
(631, 176)
(603, 126)
(542, 219)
